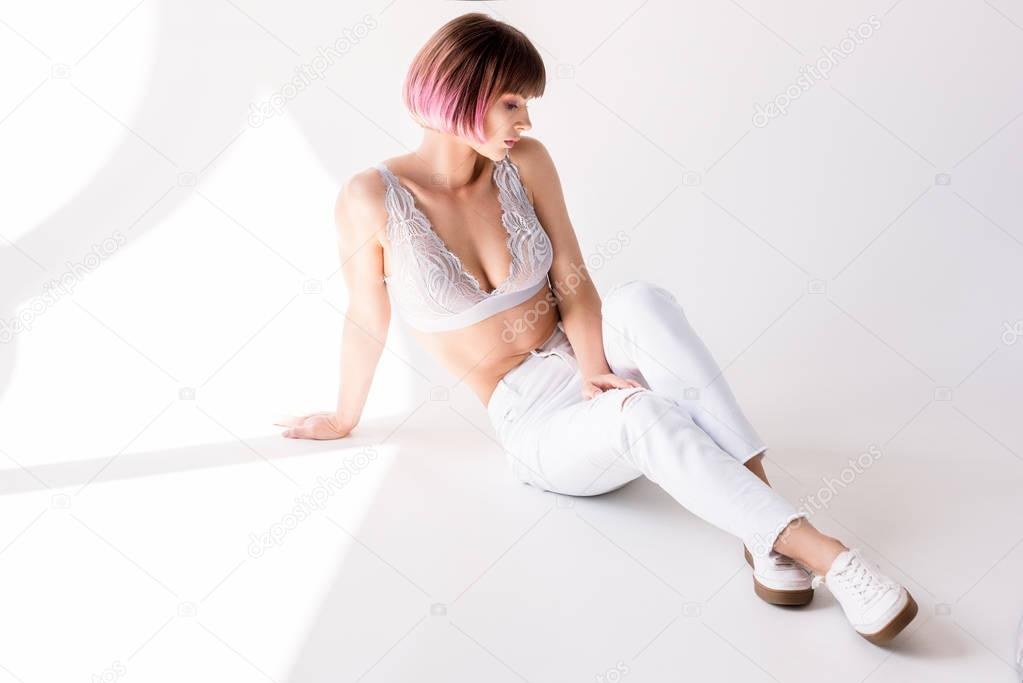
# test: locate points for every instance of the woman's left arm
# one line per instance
(577, 298)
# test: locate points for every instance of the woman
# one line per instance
(478, 252)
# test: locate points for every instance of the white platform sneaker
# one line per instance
(876, 605)
(780, 580)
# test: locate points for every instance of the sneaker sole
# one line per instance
(895, 626)
(779, 597)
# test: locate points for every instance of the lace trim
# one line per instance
(448, 285)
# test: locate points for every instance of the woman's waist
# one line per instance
(482, 373)
(545, 372)
(556, 339)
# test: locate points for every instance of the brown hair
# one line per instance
(464, 66)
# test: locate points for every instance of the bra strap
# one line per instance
(510, 186)
(397, 207)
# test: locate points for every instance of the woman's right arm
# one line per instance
(359, 216)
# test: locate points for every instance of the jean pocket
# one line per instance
(562, 352)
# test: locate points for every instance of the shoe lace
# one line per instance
(860, 579)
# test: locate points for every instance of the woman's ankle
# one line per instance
(756, 466)
(822, 557)
(812, 549)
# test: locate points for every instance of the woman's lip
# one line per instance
(510, 142)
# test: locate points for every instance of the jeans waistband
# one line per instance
(505, 396)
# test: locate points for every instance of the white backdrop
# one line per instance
(830, 189)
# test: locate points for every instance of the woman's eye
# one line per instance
(512, 105)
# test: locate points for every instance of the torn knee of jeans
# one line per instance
(628, 396)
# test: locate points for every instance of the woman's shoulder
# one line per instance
(368, 186)
(529, 154)
(360, 200)
(533, 162)
(531, 158)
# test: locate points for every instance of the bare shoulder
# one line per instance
(529, 151)
(536, 167)
(359, 209)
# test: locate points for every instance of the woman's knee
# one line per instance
(654, 417)
(634, 297)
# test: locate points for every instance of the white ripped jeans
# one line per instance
(684, 429)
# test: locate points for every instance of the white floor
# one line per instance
(428, 562)
(853, 266)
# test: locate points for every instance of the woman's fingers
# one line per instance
(598, 385)
(302, 432)
(616, 382)
(314, 427)
(299, 433)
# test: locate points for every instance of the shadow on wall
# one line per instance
(201, 96)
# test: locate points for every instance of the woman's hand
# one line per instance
(592, 386)
(313, 426)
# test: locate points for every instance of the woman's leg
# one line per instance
(575, 443)
(587, 447)
(808, 546)
(648, 338)
(594, 446)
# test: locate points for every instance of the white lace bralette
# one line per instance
(432, 289)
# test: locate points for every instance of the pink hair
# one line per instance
(464, 67)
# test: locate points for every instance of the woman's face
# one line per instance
(503, 124)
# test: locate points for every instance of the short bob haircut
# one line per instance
(464, 67)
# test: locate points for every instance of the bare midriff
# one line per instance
(481, 354)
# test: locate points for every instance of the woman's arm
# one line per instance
(577, 298)
(359, 216)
